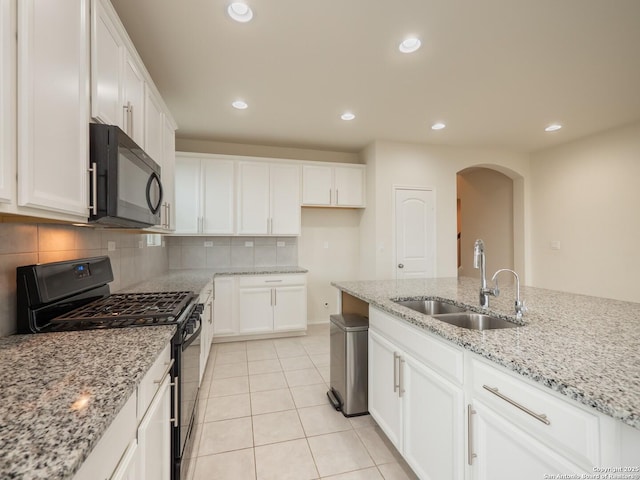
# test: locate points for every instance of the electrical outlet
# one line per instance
(326, 244)
(280, 243)
(208, 244)
(140, 244)
(111, 246)
(555, 244)
(248, 244)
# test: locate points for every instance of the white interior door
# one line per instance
(415, 233)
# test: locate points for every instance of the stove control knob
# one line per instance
(190, 326)
(199, 308)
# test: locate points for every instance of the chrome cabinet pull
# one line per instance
(272, 281)
(175, 384)
(337, 197)
(168, 216)
(396, 363)
(538, 416)
(401, 389)
(470, 454)
(93, 207)
(329, 196)
(275, 296)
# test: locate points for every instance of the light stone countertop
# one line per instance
(41, 436)
(196, 279)
(586, 348)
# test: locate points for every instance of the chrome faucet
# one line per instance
(479, 262)
(520, 307)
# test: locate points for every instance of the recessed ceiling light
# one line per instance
(347, 116)
(240, 12)
(410, 45)
(438, 126)
(239, 104)
(553, 127)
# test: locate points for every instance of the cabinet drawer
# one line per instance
(445, 359)
(152, 381)
(570, 429)
(272, 280)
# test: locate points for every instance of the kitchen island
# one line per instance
(586, 348)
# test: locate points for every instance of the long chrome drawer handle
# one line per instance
(166, 372)
(538, 416)
(470, 454)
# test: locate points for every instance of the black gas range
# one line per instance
(75, 295)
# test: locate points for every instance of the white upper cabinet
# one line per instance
(339, 185)
(153, 126)
(268, 199)
(168, 174)
(204, 192)
(107, 63)
(133, 100)
(53, 106)
(7, 101)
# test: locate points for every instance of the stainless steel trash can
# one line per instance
(348, 364)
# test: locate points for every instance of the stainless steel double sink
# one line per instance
(455, 315)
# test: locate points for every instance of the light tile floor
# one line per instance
(264, 415)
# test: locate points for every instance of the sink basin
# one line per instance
(431, 307)
(474, 321)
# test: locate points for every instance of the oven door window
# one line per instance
(139, 188)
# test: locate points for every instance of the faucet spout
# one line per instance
(519, 304)
(479, 261)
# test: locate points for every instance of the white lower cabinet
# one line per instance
(154, 436)
(137, 444)
(502, 451)
(272, 304)
(206, 335)
(453, 414)
(258, 305)
(419, 411)
(224, 317)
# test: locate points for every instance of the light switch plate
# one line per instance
(140, 244)
(555, 244)
(111, 246)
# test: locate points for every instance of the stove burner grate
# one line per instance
(127, 309)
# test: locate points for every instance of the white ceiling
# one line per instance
(495, 71)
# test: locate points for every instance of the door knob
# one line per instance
(400, 265)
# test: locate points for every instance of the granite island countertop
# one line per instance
(43, 435)
(586, 348)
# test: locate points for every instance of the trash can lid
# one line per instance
(350, 322)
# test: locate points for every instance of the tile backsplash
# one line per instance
(221, 252)
(24, 244)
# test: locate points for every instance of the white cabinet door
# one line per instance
(433, 423)
(224, 320)
(187, 185)
(253, 198)
(255, 309)
(385, 405)
(53, 105)
(168, 174)
(349, 186)
(290, 308)
(133, 100)
(504, 452)
(317, 184)
(154, 436)
(153, 126)
(129, 466)
(284, 187)
(107, 60)
(218, 188)
(7, 101)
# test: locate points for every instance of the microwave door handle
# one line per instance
(154, 208)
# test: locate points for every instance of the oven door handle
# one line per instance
(192, 338)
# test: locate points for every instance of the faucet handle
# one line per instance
(520, 308)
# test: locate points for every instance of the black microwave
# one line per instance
(126, 187)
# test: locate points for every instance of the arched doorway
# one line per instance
(485, 210)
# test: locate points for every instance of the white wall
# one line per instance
(329, 249)
(585, 195)
(428, 166)
(486, 198)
